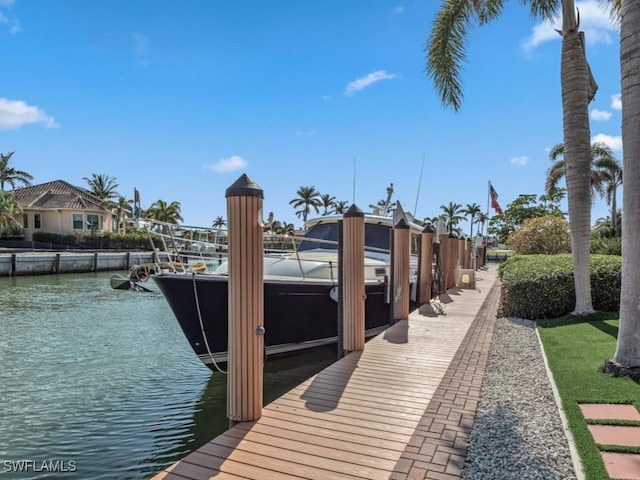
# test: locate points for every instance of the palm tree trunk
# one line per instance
(577, 91)
(628, 347)
(614, 212)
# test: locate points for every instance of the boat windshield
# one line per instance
(375, 236)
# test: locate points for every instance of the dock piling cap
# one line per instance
(244, 187)
(353, 211)
(401, 224)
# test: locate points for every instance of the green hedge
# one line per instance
(136, 240)
(541, 286)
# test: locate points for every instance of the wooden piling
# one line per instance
(401, 270)
(353, 284)
(426, 264)
(56, 266)
(453, 259)
(444, 258)
(246, 299)
(461, 252)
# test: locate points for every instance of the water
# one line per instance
(97, 383)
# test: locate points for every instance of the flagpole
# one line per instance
(488, 203)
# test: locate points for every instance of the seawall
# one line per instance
(45, 263)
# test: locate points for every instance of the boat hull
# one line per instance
(297, 315)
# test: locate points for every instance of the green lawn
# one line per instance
(576, 349)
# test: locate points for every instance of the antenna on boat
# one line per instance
(415, 208)
(387, 203)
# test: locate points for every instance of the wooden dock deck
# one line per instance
(365, 416)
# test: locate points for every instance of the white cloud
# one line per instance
(520, 161)
(140, 43)
(368, 80)
(600, 115)
(398, 10)
(6, 3)
(306, 132)
(228, 164)
(615, 142)
(595, 22)
(16, 113)
(616, 101)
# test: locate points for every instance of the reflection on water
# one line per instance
(103, 382)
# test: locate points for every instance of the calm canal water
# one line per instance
(97, 383)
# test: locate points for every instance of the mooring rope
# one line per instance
(204, 335)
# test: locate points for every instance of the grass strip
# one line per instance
(576, 349)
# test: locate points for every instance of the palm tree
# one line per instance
(602, 158)
(627, 353)
(432, 220)
(472, 210)
(611, 175)
(482, 219)
(446, 51)
(341, 206)
(451, 215)
(308, 198)
(219, 222)
(123, 206)
(9, 211)
(10, 175)
(103, 187)
(327, 202)
(164, 212)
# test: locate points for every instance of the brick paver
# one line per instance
(438, 448)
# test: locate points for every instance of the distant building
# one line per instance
(59, 207)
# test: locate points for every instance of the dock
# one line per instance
(401, 409)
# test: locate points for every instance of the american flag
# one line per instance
(494, 200)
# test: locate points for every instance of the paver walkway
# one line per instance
(622, 466)
(438, 447)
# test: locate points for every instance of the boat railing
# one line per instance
(200, 249)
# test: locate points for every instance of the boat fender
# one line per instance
(333, 293)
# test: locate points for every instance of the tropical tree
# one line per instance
(327, 202)
(10, 175)
(122, 207)
(219, 222)
(9, 212)
(604, 169)
(547, 235)
(612, 178)
(432, 220)
(451, 214)
(472, 210)
(341, 206)
(482, 219)
(524, 207)
(445, 52)
(308, 198)
(104, 187)
(164, 212)
(627, 356)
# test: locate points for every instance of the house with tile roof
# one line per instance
(59, 207)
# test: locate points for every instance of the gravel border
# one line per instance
(518, 432)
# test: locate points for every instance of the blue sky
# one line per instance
(180, 98)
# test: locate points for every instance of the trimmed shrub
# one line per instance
(541, 235)
(606, 246)
(541, 286)
(106, 240)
